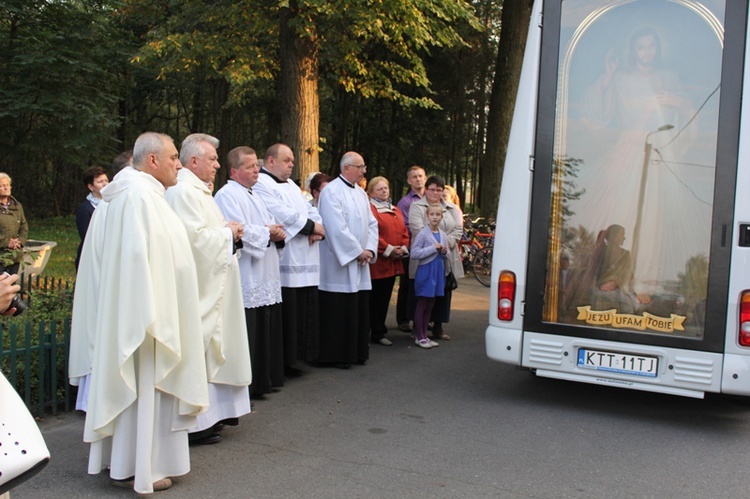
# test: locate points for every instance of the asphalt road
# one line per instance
(446, 422)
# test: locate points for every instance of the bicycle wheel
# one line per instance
(466, 258)
(482, 265)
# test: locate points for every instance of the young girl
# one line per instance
(430, 247)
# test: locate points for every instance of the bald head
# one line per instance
(279, 161)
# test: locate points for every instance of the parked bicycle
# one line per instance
(482, 265)
(477, 240)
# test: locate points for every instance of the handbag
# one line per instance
(23, 451)
(450, 282)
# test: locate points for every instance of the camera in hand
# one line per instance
(18, 304)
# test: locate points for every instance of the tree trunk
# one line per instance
(224, 136)
(515, 23)
(300, 108)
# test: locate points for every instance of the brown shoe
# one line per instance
(162, 484)
(129, 483)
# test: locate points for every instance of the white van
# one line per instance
(622, 254)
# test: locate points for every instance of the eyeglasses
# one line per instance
(362, 167)
(436, 189)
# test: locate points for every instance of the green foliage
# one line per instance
(229, 41)
(375, 49)
(56, 96)
(403, 81)
(378, 49)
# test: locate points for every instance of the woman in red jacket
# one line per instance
(393, 245)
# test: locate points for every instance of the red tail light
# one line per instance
(506, 296)
(745, 319)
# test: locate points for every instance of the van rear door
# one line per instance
(635, 172)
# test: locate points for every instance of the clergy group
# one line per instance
(188, 305)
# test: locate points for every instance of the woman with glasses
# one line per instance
(393, 247)
(452, 225)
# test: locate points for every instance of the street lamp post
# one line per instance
(642, 192)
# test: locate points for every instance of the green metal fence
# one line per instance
(34, 354)
(36, 363)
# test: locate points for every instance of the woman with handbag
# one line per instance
(452, 225)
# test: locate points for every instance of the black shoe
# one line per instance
(293, 372)
(213, 438)
(230, 422)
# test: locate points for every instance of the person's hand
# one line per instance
(365, 257)
(609, 285)
(14, 243)
(237, 230)
(8, 289)
(643, 298)
(398, 252)
(277, 232)
(314, 238)
(319, 230)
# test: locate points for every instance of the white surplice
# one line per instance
(148, 372)
(300, 262)
(259, 257)
(220, 292)
(351, 228)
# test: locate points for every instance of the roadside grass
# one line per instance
(61, 230)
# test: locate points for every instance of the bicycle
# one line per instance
(468, 246)
(482, 265)
(473, 242)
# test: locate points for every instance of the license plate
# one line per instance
(617, 362)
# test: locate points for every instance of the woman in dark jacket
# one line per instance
(95, 179)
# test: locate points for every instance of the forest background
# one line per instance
(403, 82)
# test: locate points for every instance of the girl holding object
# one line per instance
(430, 248)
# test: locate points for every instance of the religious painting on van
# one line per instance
(634, 163)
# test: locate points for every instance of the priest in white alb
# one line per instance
(300, 263)
(142, 335)
(212, 240)
(351, 244)
(262, 242)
